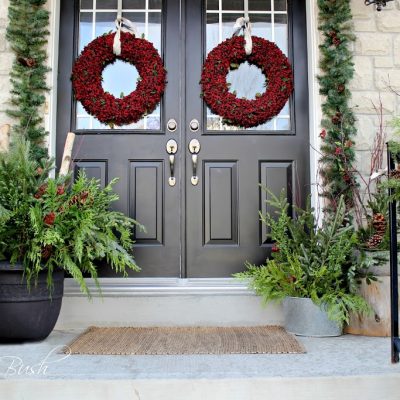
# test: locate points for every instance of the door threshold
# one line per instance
(133, 287)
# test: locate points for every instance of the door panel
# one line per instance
(277, 176)
(136, 154)
(220, 199)
(222, 221)
(146, 200)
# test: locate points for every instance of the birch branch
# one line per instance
(67, 155)
(4, 138)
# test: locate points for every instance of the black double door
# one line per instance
(207, 223)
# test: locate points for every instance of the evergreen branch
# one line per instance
(27, 34)
(337, 70)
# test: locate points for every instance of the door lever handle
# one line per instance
(194, 179)
(172, 179)
(172, 148)
(194, 148)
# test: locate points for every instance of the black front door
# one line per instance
(204, 227)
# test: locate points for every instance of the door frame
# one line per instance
(129, 286)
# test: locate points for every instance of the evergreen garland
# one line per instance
(27, 33)
(338, 122)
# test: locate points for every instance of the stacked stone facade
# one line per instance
(6, 59)
(377, 72)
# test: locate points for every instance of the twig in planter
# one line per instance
(66, 159)
(4, 138)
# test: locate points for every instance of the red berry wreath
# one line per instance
(243, 112)
(87, 79)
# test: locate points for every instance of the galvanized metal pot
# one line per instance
(28, 315)
(304, 318)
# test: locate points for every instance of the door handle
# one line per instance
(194, 149)
(172, 148)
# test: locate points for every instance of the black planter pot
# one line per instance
(28, 314)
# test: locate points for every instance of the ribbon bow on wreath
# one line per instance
(123, 25)
(105, 50)
(244, 23)
(256, 51)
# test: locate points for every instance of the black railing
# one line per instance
(394, 286)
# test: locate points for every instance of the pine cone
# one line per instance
(337, 118)
(379, 223)
(341, 88)
(74, 200)
(83, 197)
(27, 62)
(395, 174)
(374, 241)
(46, 251)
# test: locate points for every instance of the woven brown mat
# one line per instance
(174, 341)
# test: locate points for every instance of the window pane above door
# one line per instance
(269, 19)
(97, 17)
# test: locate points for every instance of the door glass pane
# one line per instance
(107, 4)
(232, 4)
(86, 4)
(260, 5)
(270, 21)
(155, 4)
(97, 17)
(133, 4)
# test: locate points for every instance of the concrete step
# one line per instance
(166, 302)
(346, 368)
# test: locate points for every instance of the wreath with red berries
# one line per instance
(87, 79)
(245, 112)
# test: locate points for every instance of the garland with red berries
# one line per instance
(338, 122)
(87, 79)
(244, 112)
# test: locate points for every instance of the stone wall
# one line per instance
(6, 58)
(377, 70)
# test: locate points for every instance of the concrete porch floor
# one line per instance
(347, 367)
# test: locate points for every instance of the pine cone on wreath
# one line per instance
(374, 241)
(379, 223)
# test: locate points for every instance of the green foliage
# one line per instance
(46, 224)
(27, 33)
(20, 178)
(377, 205)
(311, 261)
(392, 182)
(337, 69)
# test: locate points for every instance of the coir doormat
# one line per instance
(190, 340)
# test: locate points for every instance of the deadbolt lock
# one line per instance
(172, 125)
(194, 125)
